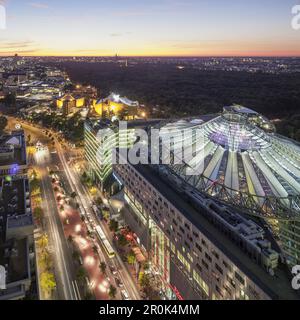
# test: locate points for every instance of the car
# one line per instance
(125, 295)
(113, 269)
(119, 283)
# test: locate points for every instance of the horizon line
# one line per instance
(151, 56)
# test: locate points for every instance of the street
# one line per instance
(67, 287)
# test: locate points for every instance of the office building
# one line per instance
(228, 231)
(17, 253)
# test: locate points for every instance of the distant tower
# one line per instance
(16, 58)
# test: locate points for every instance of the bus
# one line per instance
(108, 248)
(96, 211)
(100, 233)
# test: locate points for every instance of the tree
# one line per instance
(10, 100)
(103, 267)
(76, 255)
(35, 186)
(73, 195)
(99, 201)
(122, 241)
(84, 176)
(38, 213)
(144, 280)
(95, 250)
(146, 265)
(131, 258)
(81, 273)
(28, 139)
(88, 296)
(112, 292)
(34, 175)
(48, 281)
(43, 242)
(114, 225)
(45, 260)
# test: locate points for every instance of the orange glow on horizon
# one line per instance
(153, 54)
(175, 49)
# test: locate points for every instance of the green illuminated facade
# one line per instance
(99, 146)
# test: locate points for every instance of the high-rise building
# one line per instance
(17, 253)
(198, 247)
(98, 145)
(228, 230)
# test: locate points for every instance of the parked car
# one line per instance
(119, 283)
(113, 269)
(125, 295)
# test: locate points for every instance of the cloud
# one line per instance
(22, 47)
(7, 45)
(38, 5)
(119, 34)
(116, 34)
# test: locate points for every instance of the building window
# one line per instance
(227, 266)
(215, 254)
(239, 278)
(198, 247)
(204, 243)
(203, 285)
(231, 281)
(208, 257)
(219, 268)
(205, 264)
(182, 259)
(219, 291)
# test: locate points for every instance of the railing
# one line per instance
(272, 207)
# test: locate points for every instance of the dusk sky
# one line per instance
(150, 27)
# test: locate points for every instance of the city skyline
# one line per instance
(159, 28)
(149, 151)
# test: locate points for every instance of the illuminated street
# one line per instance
(59, 232)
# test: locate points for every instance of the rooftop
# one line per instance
(13, 150)
(277, 287)
(113, 97)
(239, 162)
(14, 257)
(15, 210)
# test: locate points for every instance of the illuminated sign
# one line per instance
(177, 293)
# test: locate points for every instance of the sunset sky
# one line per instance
(150, 27)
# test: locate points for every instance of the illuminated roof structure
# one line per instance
(241, 162)
(116, 98)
